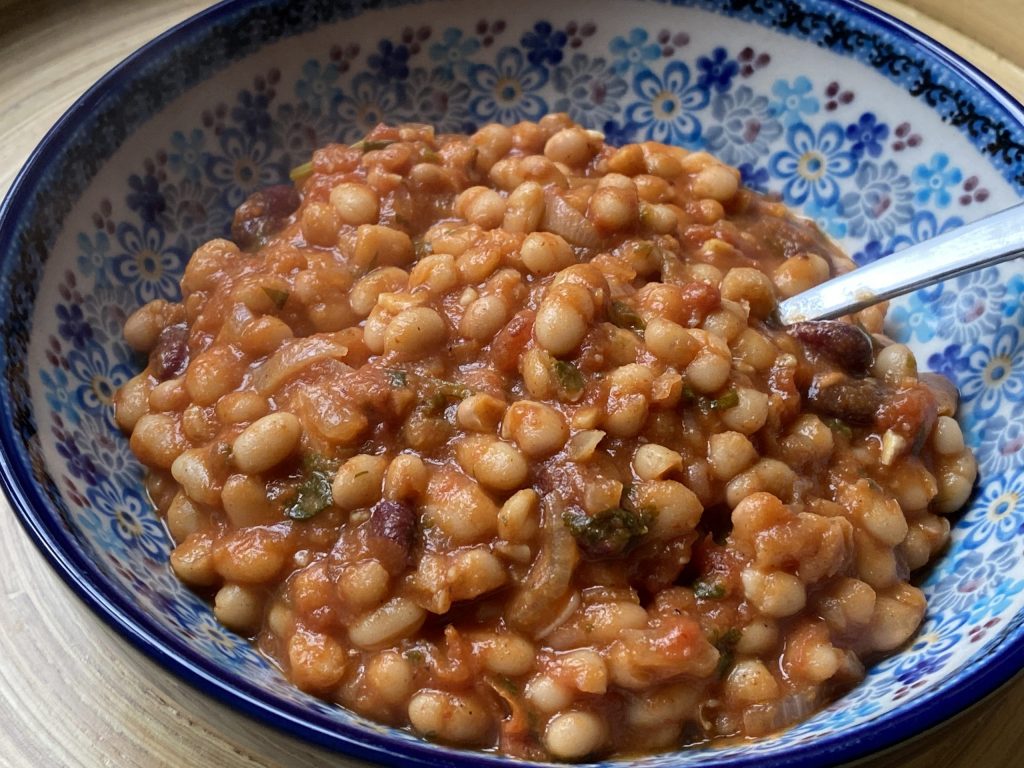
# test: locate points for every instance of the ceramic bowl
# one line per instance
(876, 132)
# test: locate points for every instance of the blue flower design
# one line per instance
(129, 519)
(633, 52)
(544, 43)
(665, 109)
(186, 156)
(435, 98)
(617, 134)
(969, 580)
(299, 129)
(794, 100)
(999, 512)
(923, 226)
(508, 91)
(391, 62)
(96, 378)
(367, 103)
(591, 90)
(754, 177)
(973, 308)
(993, 372)
(1013, 301)
(829, 218)
(867, 135)
(244, 166)
(934, 180)
(744, 127)
(871, 251)
(928, 653)
(146, 264)
(316, 87)
(812, 163)
(914, 317)
(251, 113)
(105, 311)
(71, 325)
(58, 393)
(193, 209)
(94, 256)
(717, 70)
(79, 464)
(453, 50)
(145, 197)
(882, 202)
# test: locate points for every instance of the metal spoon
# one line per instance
(996, 238)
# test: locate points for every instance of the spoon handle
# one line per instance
(996, 238)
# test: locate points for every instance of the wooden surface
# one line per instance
(72, 693)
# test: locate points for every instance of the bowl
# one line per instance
(857, 121)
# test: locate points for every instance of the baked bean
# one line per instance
(239, 607)
(652, 461)
(316, 661)
(414, 333)
(356, 204)
(574, 735)
(537, 429)
(457, 718)
(397, 618)
(157, 440)
(245, 502)
(266, 442)
(358, 482)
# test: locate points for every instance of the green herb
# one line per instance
(729, 400)
(276, 295)
(709, 590)
(430, 156)
(726, 645)
(839, 426)
(416, 657)
(507, 684)
(608, 533)
(397, 378)
(624, 316)
(371, 145)
(300, 173)
(570, 380)
(690, 394)
(314, 491)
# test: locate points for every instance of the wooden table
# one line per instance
(74, 694)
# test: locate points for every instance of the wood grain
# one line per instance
(74, 694)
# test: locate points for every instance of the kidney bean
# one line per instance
(169, 357)
(263, 214)
(848, 346)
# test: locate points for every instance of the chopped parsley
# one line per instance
(277, 296)
(608, 533)
(706, 589)
(570, 380)
(371, 145)
(624, 316)
(313, 494)
(300, 173)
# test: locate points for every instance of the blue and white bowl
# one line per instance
(857, 121)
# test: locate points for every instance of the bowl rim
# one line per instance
(989, 672)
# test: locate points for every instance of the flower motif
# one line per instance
(452, 51)
(95, 378)
(391, 62)
(829, 218)
(999, 513)
(666, 106)
(591, 90)
(754, 177)
(79, 463)
(128, 518)
(299, 129)
(1001, 443)
(252, 113)
(71, 325)
(186, 156)
(928, 653)
(812, 164)
(544, 43)
(972, 309)
(914, 317)
(617, 134)
(744, 127)
(508, 90)
(993, 372)
(145, 197)
(881, 203)
(244, 167)
(794, 100)
(146, 264)
(867, 135)
(1013, 301)
(94, 256)
(872, 251)
(717, 70)
(193, 209)
(969, 580)
(58, 395)
(434, 97)
(106, 309)
(633, 52)
(935, 179)
(923, 226)
(316, 87)
(368, 102)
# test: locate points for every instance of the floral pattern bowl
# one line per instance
(878, 134)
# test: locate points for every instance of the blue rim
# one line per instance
(987, 673)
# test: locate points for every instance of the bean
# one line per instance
(414, 333)
(358, 482)
(544, 253)
(652, 461)
(245, 502)
(539, 430)
(316, 661)
(239, 607)
(563, 318)
(749, 682)
(197, 477)
(457, 718)
(391, 677)
(356, 204)
(775, 593)
(396, 619)
(574, 735)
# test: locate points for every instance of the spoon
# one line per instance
(996, 238)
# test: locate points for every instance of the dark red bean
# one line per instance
(263, 214)
(511, 340)
(390, 533)
(848, 346)
(855, 401)
(169, 357)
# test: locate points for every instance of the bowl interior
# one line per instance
(881, 139)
